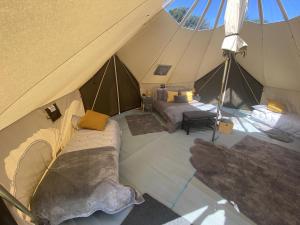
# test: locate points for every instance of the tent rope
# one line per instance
(117, 84)
(100, 85)
(243, 75)
(211, 77)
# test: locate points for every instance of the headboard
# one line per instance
(30, 169)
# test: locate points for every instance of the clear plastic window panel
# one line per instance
(179, 8)
(221, 19)
(253, 11)
(193, 19)
(211, 15)
(292, 8)
(272, 11)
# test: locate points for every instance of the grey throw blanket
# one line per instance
(79, 183)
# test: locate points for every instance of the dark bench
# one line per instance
(200, 118)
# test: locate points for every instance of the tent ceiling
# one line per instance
(189, 13)
(51, 48)
(273, 55)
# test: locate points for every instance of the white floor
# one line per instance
(158, 164)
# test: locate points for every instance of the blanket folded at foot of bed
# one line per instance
(80, 183)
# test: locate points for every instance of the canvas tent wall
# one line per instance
(243, 90)
(112, 90)
(51, 48)
(273, 57)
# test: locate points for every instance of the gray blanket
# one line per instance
(79, 183)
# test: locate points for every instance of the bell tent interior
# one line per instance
(150, 112)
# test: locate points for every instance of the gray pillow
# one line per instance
(162, 94)
(180, 99)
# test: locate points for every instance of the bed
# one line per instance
(172, 113)
(84, 178)
(287, 122)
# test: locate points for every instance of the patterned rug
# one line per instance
(143, 124)
(261, 178)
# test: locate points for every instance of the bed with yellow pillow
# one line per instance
(275, 115)
(172, 111)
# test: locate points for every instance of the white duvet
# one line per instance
(86, 139)
(288, 122)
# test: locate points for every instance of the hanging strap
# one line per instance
(100, 85)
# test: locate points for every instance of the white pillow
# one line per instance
(261, 108)
(258, 107)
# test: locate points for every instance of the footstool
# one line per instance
(201, 118)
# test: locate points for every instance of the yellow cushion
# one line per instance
(275, 106)
(171, 95)
(93, 120)
(189, 95)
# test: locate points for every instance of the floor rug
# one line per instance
(261, 178)
(143, 124)
(152, 212)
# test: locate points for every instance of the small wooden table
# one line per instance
(203, 118)
(147, 102)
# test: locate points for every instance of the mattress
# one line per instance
(288, 122)
(88, 139)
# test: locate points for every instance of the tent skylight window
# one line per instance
(211, 15)
(292, 8)
(178, 9)
(252, 12)
(272, 12)
(193, 19)
(221, 19)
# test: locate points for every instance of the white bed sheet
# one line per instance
(288, 122)
(86, 139)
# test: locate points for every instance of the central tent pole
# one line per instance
(221, 97)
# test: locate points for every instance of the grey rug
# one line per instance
(143, 124)
(261, 178)
(152, 212)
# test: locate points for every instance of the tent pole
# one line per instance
(100, 85)
(117, 84)
(222, 94)
(4, 194)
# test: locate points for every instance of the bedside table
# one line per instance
(147, 103)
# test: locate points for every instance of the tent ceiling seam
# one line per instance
(205, 51)
(76, 53)
(161, 52)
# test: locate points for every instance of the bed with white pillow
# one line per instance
(287, 122)
(87, 139)
(84, 178)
